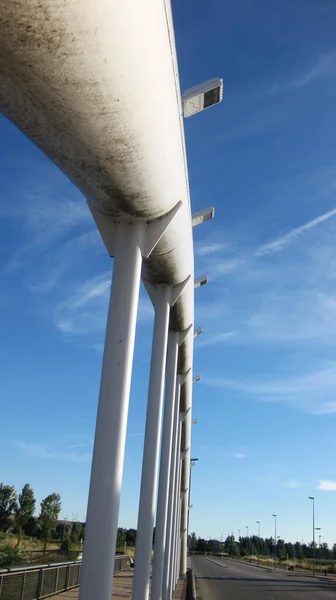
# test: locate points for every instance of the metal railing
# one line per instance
(40, 581)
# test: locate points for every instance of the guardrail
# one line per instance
(40, 581)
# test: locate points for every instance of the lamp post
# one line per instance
(313, 499)
(275, 538)
(248, 540)
(258, 542)
(239, 544)
(193, 461)
(320, 553)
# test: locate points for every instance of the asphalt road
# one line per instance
(224, 579)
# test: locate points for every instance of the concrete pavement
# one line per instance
(122, 588)
(222, 579)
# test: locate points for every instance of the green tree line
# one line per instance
(17, 512)
(254, 545)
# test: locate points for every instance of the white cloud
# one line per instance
(327, 486)
(323, 67)
(311, 392)
(84, 312)
(218, 338)
(238, 455)
(45, 220)
(57, 262)
(285, 240)
(293, 483)
(230, 264)
(209, 247)
(39, 451)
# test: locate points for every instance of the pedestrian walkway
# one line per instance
(122, 588)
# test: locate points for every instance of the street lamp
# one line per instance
(275, 538)
(248, 540)
(258, 542)
(313, 499)
(320, 552)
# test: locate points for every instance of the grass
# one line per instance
(305, 565)
(31, 551)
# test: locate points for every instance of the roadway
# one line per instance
(224, 579)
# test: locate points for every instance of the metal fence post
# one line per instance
(23, 585)
(67, 577)
(56, 580)
(39, 593)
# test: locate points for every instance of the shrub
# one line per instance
(11, 555)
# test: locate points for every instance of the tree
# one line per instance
(298, 550)
(192, 542)
(130, 537)
(121, 537)
(8, 502)
(50, 509)
(76, 532)
(24, 509)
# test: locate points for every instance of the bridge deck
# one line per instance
(122, 588)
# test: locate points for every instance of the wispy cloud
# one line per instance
(60, 261)
(45, 220)
(293, 483)
(218, 338)
(327, 486)
(84, 312)
(285, 240)
(230, 264)
(72, 315)
(322, 67)
(311, 392)
(39, 451)
(208, 247)
(238, 455)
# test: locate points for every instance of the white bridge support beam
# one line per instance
(165, 462)
(176, 523)
(166, 580)
(128, 242)
(174, 493)
(163, 298)
(175, 338)
(186, 435)
(109, 444)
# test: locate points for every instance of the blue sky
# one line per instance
(266, 405)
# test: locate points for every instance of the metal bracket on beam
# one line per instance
(175, 291)
(183, 335)
(184, 414)
(154, 229)
(184, 453)
(183, 376)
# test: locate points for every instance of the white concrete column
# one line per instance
(109, 444)
(178, 516)
(166, 450)
(177, 486)
(169, 549)
(185, 489)
(163, 297)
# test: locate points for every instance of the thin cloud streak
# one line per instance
(311, 392)
(323, 67)
(38, 451)
(216, 339)
(285, 240)
(232, 264)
